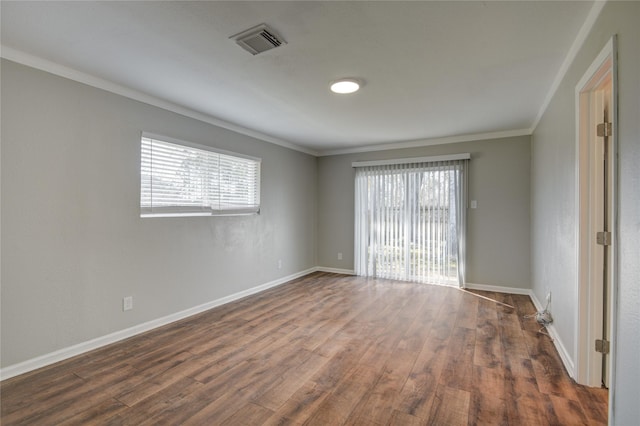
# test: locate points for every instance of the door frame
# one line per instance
(589, 297)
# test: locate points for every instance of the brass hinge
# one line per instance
(602, 346)
(604, 129)
(603, 238)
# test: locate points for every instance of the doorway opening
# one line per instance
(596, 150)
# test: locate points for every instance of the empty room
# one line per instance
(320, 212)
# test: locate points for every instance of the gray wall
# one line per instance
(498, 230)
(553, 194)
(73, 243)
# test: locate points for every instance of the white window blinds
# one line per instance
(184, 180)
(410, 220)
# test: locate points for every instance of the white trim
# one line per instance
(615, 258)
(36, 62)
(585, 371)
(432, 159)
(569, 58)
(605, 54)
(497, 289)
(584, 290)
(80, 348)
(335, 270)
(557, 341)
(427, 142)
(555, 338)
(81, 77)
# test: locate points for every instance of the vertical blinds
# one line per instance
(410, 221)
(181, 180)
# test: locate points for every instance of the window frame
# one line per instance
(203, 210)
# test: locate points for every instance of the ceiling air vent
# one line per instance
(258, 39)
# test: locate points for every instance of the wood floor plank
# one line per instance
(186, 403)
(233, 356)
(261, 374)
(74, 400)
(398, 418)
(302, 404)
(164, 406)
(487, 405)
(568, 411)
(337, 406)
(154, 384)
(96, 414)
(116, 381)
(550, 373)
(58, 408)
(450, 407)
(467, 317)
(249, 414)
(458, 372)
(377, 405)
(525, 404)
(217, 412)
(341, 364)
(102, 362)
(386, 340)
(594, 402)
(293, 380)
(22, 394)
(323, 349)
(488, 351)
(417, 394)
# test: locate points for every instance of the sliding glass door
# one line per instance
(410, 221)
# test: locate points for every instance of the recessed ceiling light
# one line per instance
(345, 85)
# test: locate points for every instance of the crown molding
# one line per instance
(428, 142)
(81, 77)
(36, 62)
(586, 28)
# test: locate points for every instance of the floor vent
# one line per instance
(258, 39)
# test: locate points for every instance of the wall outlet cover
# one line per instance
(127, 303)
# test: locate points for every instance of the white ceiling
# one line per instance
(432, 69)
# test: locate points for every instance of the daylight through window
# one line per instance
(180, 179)
(410, 220)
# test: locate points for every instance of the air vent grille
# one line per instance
(258, 39)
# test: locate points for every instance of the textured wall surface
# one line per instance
(73, 242)
(497, 231)
(553, 202)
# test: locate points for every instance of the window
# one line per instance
(183, 179)
(410, 219)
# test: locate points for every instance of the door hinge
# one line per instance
(602, 346)
(603, 129)
(603, 238)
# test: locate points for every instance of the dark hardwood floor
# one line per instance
(325, 349)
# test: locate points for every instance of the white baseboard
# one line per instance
(80, 348)
(553, 332)
(557, 341)
(71, 351)
(498, 289)
(335, 270)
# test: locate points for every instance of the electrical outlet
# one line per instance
(279, 263)
(339, 256)
(127, 303)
